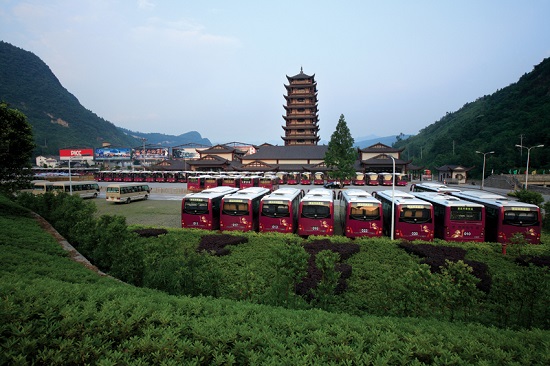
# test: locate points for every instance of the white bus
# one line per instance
(84, 189)
(41, 187)
(127, 192)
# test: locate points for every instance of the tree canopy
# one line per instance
(341, 155)
(16, 146)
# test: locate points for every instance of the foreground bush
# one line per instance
(55, 311)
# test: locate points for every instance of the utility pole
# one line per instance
(521, 144)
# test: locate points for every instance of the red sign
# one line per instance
(76, 153)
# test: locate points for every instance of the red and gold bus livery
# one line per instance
(359, 179)
(505, 218)
(316, 213)
(371, 179)
(231, 181)
(196, 183)
(270, 182)
(305, 178)
(279, 210)
(211, 181)
(319, 178)
(241, 210)
(250, 181)
(293, 178)
(385, 179)
(412, 217)
(202, 210)
(456, 219)
(360, 214)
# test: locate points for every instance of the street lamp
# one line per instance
(528, 153)
(483, 174)
(392, 198)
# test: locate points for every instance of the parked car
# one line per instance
(332, 185)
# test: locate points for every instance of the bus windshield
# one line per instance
(196, 206)
(521, 218)
(316, 211)
(235, 208)
(113, 190)
(466, 214)
(364, 212)
(275, 210)
(415, 214)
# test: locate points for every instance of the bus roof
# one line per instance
(283, 194)
(445, 199)
(249, 193)
(400, 197)
(319, 194)
(127, 184)
(492, 199)
(358, 195)
(213, 192)
(437, 187)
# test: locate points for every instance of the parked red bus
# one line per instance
(138, 177)
(279, 210)
(270, 182)
(316, 213)
(202, 210)
(456, 219)
(400, 179)
(149, 177)
(371, 179)
(360, 214)
(359, 179)
(282, 177)
(250, 181)
(319, 178)
(231, 181)
(433, 187)
(293, 178)
(159, 177)
(504, 218)
(413, 218)
(305, 178)
(211, 181)
(196, 183)
(385, 179)
(241, 210)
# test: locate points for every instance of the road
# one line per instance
(176, 191)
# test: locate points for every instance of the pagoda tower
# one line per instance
(301, 117)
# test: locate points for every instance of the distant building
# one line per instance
(377, 158)
(301, 118)
(456, 174)
(49, 162)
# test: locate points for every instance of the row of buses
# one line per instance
(205, 180)
(424, 214)
(116, 192)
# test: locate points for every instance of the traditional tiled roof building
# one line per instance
(378, 158)
(301, 127)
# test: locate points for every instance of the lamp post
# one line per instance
(528, 153)
(392, 198)
(483, 174)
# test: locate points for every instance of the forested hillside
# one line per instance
(57, 117)
(517, 114)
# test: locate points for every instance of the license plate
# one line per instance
(275, 226)
(315, 228)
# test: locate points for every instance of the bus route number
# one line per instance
(467, 233)
(414, 233)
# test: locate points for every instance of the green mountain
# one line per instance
(192, 137)
(518, 114)
(57, 117)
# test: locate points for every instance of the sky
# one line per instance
(219, 67)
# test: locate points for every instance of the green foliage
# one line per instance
(341, 155)
(326, 261)
(290, 263)
(491, 123)
(527, 196)
(16, 145)
(57, 117)
(88, 319)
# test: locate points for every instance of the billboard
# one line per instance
(187, 153)
(112, 153)
(76, 154)
(150, 153)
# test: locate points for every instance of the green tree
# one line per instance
(16, 146)
(341, 155)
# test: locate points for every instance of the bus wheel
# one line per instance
(146, 196)
(128, 200)
(95, 195)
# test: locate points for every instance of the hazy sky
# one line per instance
(219, 67)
